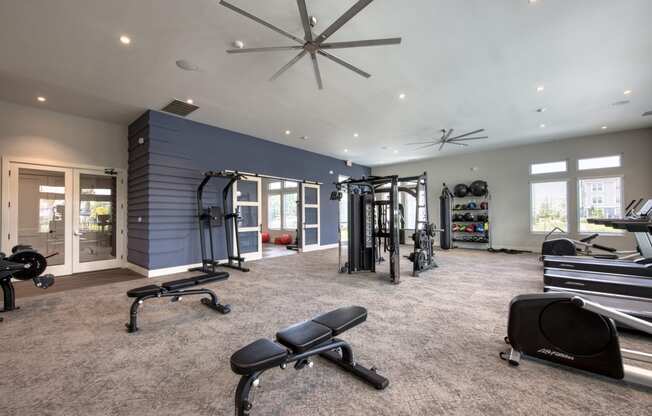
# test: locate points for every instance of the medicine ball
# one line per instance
(459, 206)
(478, 188)
(484, 205)
(469, 217)
(471, 205)
(461, 190)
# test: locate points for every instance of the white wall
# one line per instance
(34, 133)
(507, 172)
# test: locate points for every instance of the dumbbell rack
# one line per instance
(462, 239)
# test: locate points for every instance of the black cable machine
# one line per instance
(374, 220)
(215, 216)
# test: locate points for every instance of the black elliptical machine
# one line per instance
(215, 216)
(446, 212)
(25, 263)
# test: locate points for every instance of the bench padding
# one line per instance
(342, 319)
(301, 337)
(144, 291)
(257, 356)
(176, 284)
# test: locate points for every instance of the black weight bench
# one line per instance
(297, 344)
(176, 289)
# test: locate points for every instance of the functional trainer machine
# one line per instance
(176, 289)
(374, 220)
(566, 329)
(25, 263)
(297, 344)
(216, 216)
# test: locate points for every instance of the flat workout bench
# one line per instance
(297, 344)
(175, 290)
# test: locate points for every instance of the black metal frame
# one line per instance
(205, 219)
(335, 350)
(176, 295)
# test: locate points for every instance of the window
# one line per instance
(599, 198)
(274, 211)
(599, 163)
(274, 186)
(551, 167)
(410, 211)
(290, 185)
(548, 206)
(290, 211)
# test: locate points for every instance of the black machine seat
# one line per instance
(342, 319)
(144, 291)
(257, 356)
(301, 337)
(180, 284)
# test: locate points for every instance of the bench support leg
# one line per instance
(345, 361)
(214, 303)
(9, 295)
(242, 403)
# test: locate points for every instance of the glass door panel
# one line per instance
(247, 202)
(310, 217)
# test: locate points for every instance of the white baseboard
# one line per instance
(161, 272)
(322, 247)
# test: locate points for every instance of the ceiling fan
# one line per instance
(311, 44)
(446, 139)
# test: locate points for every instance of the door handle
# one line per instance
(76, 234)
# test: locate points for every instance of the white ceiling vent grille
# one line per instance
(180, 108)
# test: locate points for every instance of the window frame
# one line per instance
(538, 175)
(613, 232)
(620, 164)
(269, 198)
(531, 217)
(284, 225)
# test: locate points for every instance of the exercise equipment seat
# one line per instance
(298, 343)
(175, 289)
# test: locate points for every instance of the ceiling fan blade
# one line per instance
(360, 43)
(447, 135)
(315, 66)
(265, 49)
(303, 12)
(469, 138)
(261, 21)
(442, 145)
(288, 65)
(345, 64)
(458, 144)
(426, 146)
(341, 21)
(468, 134)
(410, 144)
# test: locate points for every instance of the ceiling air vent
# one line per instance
(647, 113)
(180, 108)
(623, 102)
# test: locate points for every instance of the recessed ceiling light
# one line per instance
(540, 88)
(190, 101)
(288, 132)
(125, 40)
(543, 126)
(402, 96)
(356, 135)
(238, 44)
(304, 137)
(395, 152)
(532, 1)
(604, 127)
(41, 99)
(541, 110)
(186, 65)
(346, 150)
(627, 92)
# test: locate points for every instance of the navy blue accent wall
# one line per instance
(166, 168)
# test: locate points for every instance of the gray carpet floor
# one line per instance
(436, 337)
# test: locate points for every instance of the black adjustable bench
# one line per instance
(175, 290)
(297, 344)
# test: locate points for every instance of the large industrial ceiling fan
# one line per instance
(314, 45)
(447, 139)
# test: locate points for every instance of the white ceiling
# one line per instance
(463, 64)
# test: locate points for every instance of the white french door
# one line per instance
(310, 236)
(247, 196)
(75, 217)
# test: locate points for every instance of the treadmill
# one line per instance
(641, 267)
(626, 293)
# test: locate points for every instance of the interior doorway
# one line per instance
(73, 216)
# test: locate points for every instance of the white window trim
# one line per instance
(615, 232)
(540, 175)
(620, 155)
(531, 223)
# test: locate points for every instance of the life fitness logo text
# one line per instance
(547, 351)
